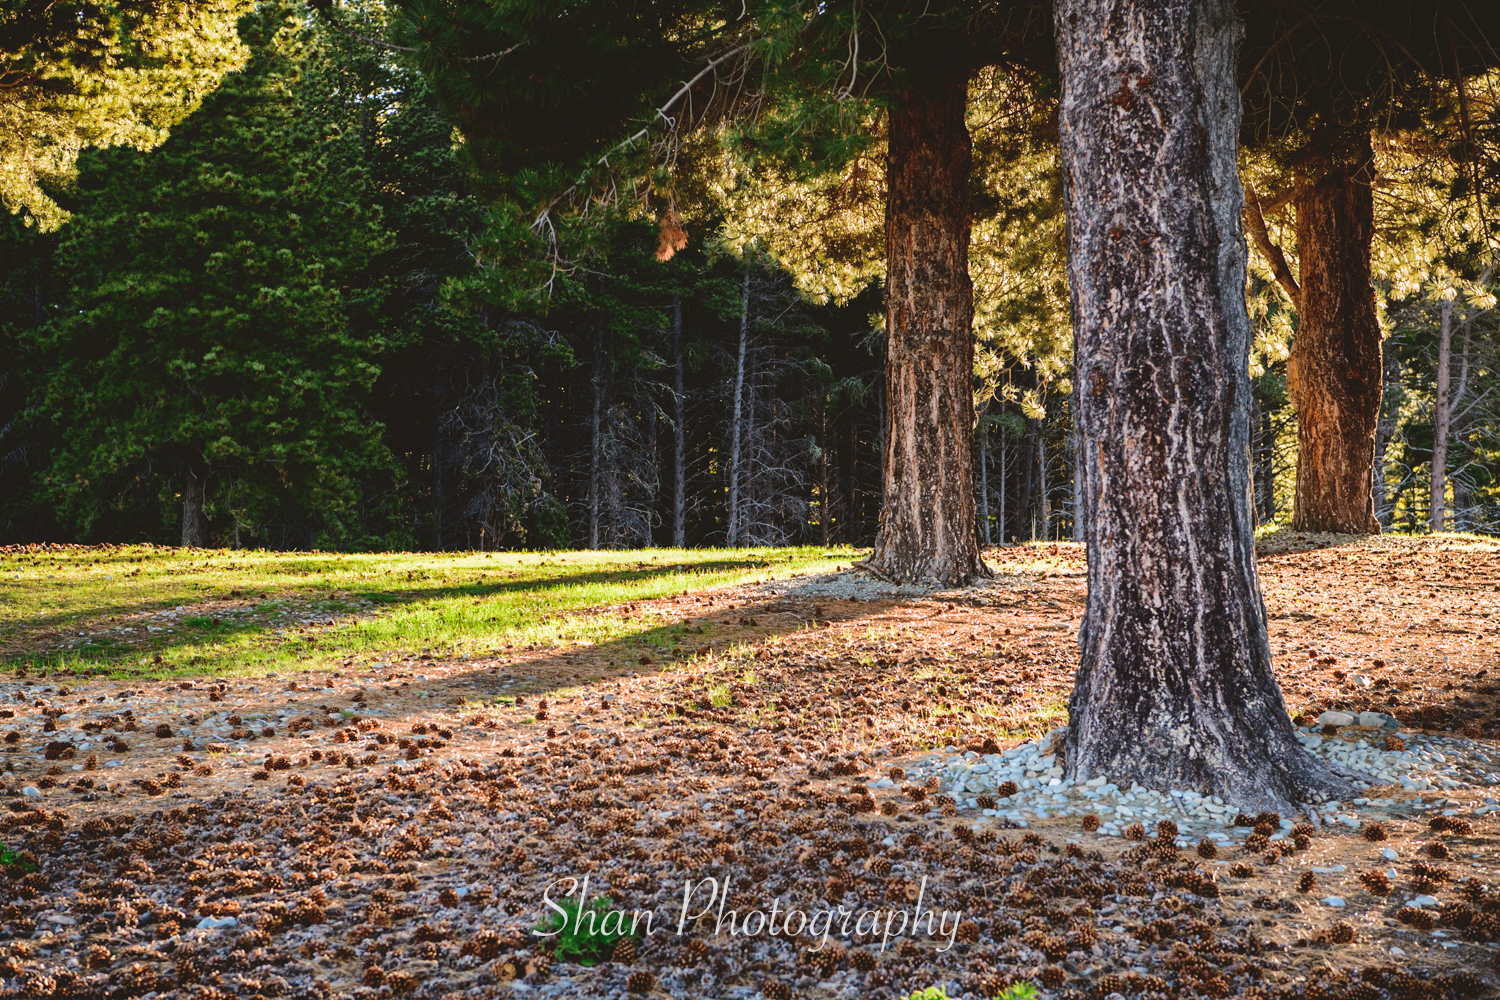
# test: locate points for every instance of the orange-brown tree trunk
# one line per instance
(928, 529)
(1334, 374)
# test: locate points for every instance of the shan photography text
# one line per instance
(706, 903)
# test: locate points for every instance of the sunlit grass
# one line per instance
(251, 611)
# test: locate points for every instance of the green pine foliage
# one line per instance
(219, 313)
(100, 74)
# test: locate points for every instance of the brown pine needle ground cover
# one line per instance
(388, 828)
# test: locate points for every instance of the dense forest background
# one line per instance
(296, 323)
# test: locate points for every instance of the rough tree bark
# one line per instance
(928, 529)
(1442, 412)
(736, 431)
(1334, 374)
(194, 524)
(679, 432)
(1174, 688)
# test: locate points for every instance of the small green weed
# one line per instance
(583, 934)
(23, 859)
(1015, 991)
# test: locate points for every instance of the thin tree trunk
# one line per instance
(1044, 509)
(1003, 539)
(1175, 687)
(927, 529)
(1385, 431)
(595, 436)
(984, 487)
(194, 525)
(824, 509)
(732, 532)
(851, 532)
(1025, 509)
(679, 431)
(1268, 463)
(1079, 520)
(1441, 415)
(1334, 373)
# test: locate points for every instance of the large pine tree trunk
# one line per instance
(928, 529)
(1441, 413)
(1334, 374)
(194, 524)
(1175, 688)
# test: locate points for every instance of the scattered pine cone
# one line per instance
(1376, 882)
(862, 960)
(1241, 870)
(1257, 842)
(1135, 831)
(1373, 832)
(1455, 825)
(1393, 744)
(624, 951)
(1090, 822)
(1207, 849)
(1437, 850)
(640, 981)
(1416, 917)
(1007, 789)
(1166, 830)
(1307, 882)
(1052, 976)
(775, 989)
(1341, 933)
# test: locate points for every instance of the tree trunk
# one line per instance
(194, 524)
(852, 511)
(1044, 509)
(1441, 415)
(1268, 463)
(823, 508)
(679, 432)
(1080, 531)
(732, 532)
(1334, 373)
(1024, 514)
(1003, 538)
(1175, 688)
(595, 440)
(927, 523)
(1385, 431)
(984, 487)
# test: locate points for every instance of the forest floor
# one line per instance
(390, 827)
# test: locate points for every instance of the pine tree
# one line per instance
(1320, 79)
(215, 344)
(86, 74)
(786, 76)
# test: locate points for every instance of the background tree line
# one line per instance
(300, 321)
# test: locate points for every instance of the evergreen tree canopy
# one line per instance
(214, 327)
(74, 75)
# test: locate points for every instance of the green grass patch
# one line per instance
(131, 610)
